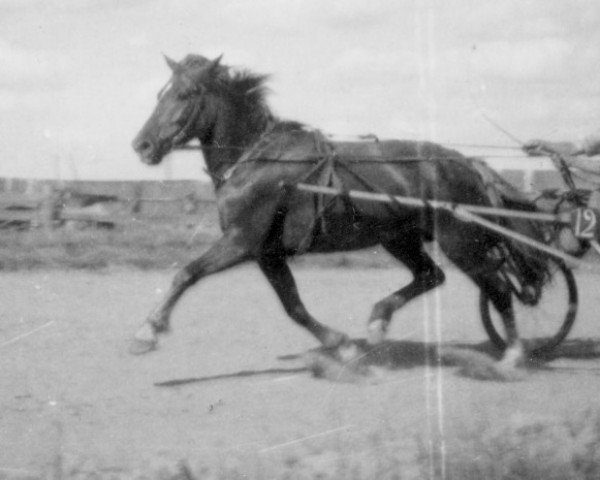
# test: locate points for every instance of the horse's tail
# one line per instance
(533, 264)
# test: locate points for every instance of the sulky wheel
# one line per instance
(541, 326)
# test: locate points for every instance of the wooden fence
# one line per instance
(51, 207)
(50, 204)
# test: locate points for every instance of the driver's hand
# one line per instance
(535, 148)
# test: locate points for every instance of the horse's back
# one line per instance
(392, 150)
(412, 168)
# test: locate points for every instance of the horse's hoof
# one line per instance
(508, 373)
(335, 339)
(348, 352)
(140, 346)
(513, 357)
(145, 339)
(376, 332)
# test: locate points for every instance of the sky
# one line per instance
(78, 78)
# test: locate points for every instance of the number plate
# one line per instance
(584, 223)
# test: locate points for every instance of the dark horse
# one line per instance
(255, 159)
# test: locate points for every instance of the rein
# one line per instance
(192, 118)
(349, 157)
(308, 160)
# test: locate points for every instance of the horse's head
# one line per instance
(184, 110)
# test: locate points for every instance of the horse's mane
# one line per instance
(245, 90)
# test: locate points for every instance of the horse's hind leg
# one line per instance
(275, 268)
(408, 249)
(500, 295)
(467, 247)
(224, 253)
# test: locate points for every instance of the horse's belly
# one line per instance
(338, 225)
(344, 233)
(331, 243)
(328, 233)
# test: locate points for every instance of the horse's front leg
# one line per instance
(224, 253)
(275, 268)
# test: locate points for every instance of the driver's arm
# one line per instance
(569, 152)
(537, 148)
(591, 145)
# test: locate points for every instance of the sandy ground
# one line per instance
(70, 390)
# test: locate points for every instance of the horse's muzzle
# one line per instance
(147, 151)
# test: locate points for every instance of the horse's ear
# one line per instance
(217, 61)
(215, 64)
(173, 65)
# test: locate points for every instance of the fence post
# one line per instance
(135, 205)
(51, 207)
(191, 204)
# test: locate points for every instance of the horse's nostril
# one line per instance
(142, 146)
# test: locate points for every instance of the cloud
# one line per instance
(29, 100)
(373, 62)
(28, 70)
(540, 59)
(356, 13)
(139, 40)
(299, 16)
(345, 65)
(366, 74)
(15, 6)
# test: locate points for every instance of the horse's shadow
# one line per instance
(358, 361)
(400, 354)
(577, 349)
(479, 361)
(356, 364)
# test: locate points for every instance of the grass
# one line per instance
(524, 448)
(145, 246)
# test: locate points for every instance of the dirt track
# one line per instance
(68, 388)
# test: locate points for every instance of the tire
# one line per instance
(543, 326)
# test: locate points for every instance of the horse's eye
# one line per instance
(186, 93)
(193, 91)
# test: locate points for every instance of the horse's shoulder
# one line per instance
(287, 142)
(371, 147)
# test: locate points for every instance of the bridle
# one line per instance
(194, 106)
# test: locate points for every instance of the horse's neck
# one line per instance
(225, 149)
